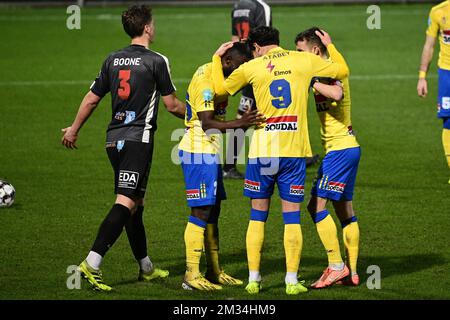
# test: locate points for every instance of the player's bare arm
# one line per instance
(217, 74)
(218, 77)
(224, 47)
(335, 55)
(324, 37)
(174, 105)
(87, 106)
(427, 56)
(334, 91)
(248, 119)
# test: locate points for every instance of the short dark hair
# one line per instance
(310, 36)
(264, 36)
(240, 49)
(135, 18)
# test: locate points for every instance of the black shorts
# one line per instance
(247, 100)
(131, 162)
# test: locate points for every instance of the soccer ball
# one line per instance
(7, 194)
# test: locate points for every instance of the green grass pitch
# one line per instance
(401, 198)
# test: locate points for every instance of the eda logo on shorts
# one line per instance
(336, 186)
(193, 194)
(297, 190)
(252, 185)
(128, 179)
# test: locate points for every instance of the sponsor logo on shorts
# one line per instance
(336, 186)
(193, 194)
(297, 190)
(445, 103)
(128, 179)
(203, 190)
(284, 123)
(252, 185)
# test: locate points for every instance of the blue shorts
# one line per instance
(446, 123)
(288, 173)
(203, 178)
(337, 175)
(443, 104)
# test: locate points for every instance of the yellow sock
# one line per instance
(446, 143)
(212, 248)
(293, 242)
(255, 241)
(193, 239)
(351, 241)
(327, 231)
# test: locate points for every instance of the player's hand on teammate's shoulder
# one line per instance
(422, 88)
(223, 48)
(69, 138)
(251, 118)
(324, 37)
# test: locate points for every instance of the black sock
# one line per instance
(136, 234)
(236, 150)
(228, 167)
(111, 228)
(214, 213)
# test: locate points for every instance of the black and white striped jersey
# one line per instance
(247, 15)
(136, 78)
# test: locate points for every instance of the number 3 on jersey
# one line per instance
(124, 89)
(281, 90)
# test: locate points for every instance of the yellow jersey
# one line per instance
(280, 81)
(201, 97)
(335, 121)
(439, 24)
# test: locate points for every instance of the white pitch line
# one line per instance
(60, 82)
(182, 16)
(387, 77)
(45, 83)
(373, 77)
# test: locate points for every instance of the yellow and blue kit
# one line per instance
(439, 26)
(337, 173)
(198, 150)
(280, 81)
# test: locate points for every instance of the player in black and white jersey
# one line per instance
(137, 78)
(245, 16)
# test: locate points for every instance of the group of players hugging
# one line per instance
(275, 85)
